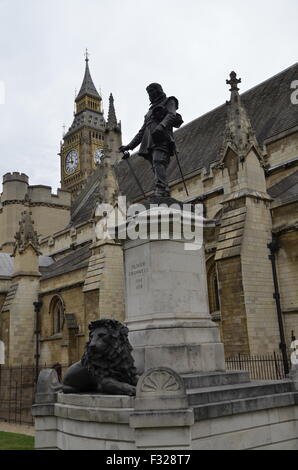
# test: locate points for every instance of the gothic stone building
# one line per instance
(240, 160)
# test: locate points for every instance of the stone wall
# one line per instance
(257, 276)
(91, 305)
(287, 262)
(61, 240)
(64, 347)
(111, 287)
(233, 314)
(22, 322)
(283, 149)
(273, 429)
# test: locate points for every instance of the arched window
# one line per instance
(57, 314)
(213, 289)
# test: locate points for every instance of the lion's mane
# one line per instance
(116, 361)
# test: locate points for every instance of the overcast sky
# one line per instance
(188, 46)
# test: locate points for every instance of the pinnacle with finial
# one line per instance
(233, 81)
(112, 120)
(26, 235)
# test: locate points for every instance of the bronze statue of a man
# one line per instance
(156, 135)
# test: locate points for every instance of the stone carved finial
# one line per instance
(47, 387)
(233, 81)
(161, 400)
(160, 381)
(161, 388)
(26, 234)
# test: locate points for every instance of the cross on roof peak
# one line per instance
(87, 55)
(233, 81)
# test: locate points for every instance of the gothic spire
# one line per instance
(112, 120)
(239, 134)
(88, 87)
(26, 235)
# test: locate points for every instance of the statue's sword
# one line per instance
(176, 155)
(126, 156)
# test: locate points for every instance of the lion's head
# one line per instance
(108, 351)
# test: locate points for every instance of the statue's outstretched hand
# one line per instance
(124, 148)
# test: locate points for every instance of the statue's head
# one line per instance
(155, 92)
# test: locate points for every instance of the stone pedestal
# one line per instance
(202, 411)
(162, 416)
(166, 300)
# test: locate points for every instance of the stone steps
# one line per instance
(244, 405)
(223, 393)
(212, 379)
(218, 394)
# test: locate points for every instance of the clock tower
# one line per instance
(88, 137)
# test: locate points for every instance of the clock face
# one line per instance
(98, 154)
(71, 162)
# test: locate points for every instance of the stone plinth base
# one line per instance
(191, 345)
(221, 410)
(166, 299)
(84, 422)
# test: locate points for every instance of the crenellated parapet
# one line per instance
(43, 194)
(50, 211)
(15, 186)
(16, 190)
(15, 176)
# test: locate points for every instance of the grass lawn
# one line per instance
(12, 441)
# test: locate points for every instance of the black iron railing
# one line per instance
(17, 391)
(261, 367)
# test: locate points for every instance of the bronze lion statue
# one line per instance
(107, 365)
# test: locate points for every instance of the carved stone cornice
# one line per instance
(24, 202)
(289, 228)
(246, 193)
